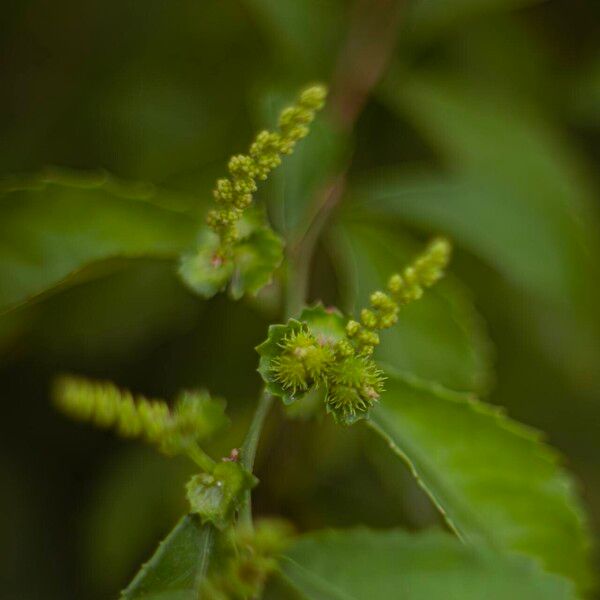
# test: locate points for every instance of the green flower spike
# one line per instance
(194, 417)
(324, 354)
(238, 244)
(313, 356)
(403, 289)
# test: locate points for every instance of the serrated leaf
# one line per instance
(53, 225)
(178, 568)
(492, 478)
(441, 337)
(381, 565)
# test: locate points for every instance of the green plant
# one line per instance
(499, 489)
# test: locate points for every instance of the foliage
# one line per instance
(468, 126)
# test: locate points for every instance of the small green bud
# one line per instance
(217, 496)
(352, 328)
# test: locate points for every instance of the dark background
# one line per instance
(164, 92)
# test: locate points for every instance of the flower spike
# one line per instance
(195, 416)
(324, 352)
(234, 194)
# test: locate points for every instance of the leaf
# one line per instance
(517, 198)
(135, 498)
(53, 225)
(178, 568)
(199, 269)
(493, 479)
(256, 258)
(441, 337)
(430, 18)
(362, 564)
(306, 31)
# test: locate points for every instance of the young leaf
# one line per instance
(379, 565)
(52, 226)
(178, 568)
(255, 257)
(492, 478)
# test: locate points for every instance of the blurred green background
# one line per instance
(485, 125)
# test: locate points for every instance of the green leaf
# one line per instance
(517, 198)
(256, 258)
(380, 565)
(135, 498)
(307, 31)
(199, 269)
(429, 18)
(441, 337)
(493, 479)
(178, 567)
(53, 225)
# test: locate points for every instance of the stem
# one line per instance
(249, 450)
(203, 460)
(369, 46)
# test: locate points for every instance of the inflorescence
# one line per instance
(194, 417)
(403, 289)
(234, 194)
(343, 366)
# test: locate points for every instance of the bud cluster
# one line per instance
(352, 383)
(234, 194)
(324, 351)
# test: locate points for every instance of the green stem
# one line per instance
(203, 460)
(249, 449)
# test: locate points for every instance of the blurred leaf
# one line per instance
(521, 171)
(430, 18)
(492, 478)
(362, 564)
(138, 495)
(256, 259)
(307, 31)
(585, 94)
(54, 226)
(441, 337)
(116, 317)
(178, 568)
(292, 187)
(518, 199)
